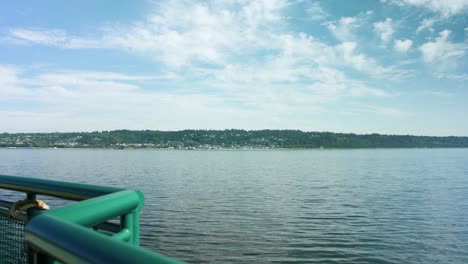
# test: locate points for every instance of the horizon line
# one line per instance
(227, 129)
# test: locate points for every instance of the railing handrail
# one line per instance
(91, 212)
(59, 189)
(65, 233)
(73, 243)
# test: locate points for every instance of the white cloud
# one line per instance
(446, 8)
(427, 23)
(8, 74)
(376, 110)
(316, 11)
(178, 33)
(452, 76)
(10, 86)
(106, 100)
(50, 37)
(384, 29)
(100, 100)
(303, 57)
(357, 61)
(181, 33)
(344, 28)
(348, 54)
(44, 37)
(440, 93)
(402, 45)
(305, 69)
(295, 73)
(72, 76)
(443, 53)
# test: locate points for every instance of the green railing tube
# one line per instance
(65, 233)
(123, 235)
(131, 221)
(59, 189)
(72, 243)
(97, 210)
(136, 229)
(128, 224)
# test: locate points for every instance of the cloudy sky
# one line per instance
(362, 66)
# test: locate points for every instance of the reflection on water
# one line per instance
(335, 206)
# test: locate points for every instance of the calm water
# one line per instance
(325, 206)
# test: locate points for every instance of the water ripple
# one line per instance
(335, 206)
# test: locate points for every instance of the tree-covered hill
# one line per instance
(225, 139)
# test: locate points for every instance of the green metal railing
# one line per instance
(81, 232)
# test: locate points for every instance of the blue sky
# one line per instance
(361, 66)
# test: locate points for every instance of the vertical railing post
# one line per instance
(131, 222)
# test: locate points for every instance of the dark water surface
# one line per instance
(324, 206)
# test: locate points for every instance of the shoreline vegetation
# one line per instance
(232, 139)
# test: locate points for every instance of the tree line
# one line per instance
(231, 138)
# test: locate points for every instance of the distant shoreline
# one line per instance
(214, 150)
(232, 139)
